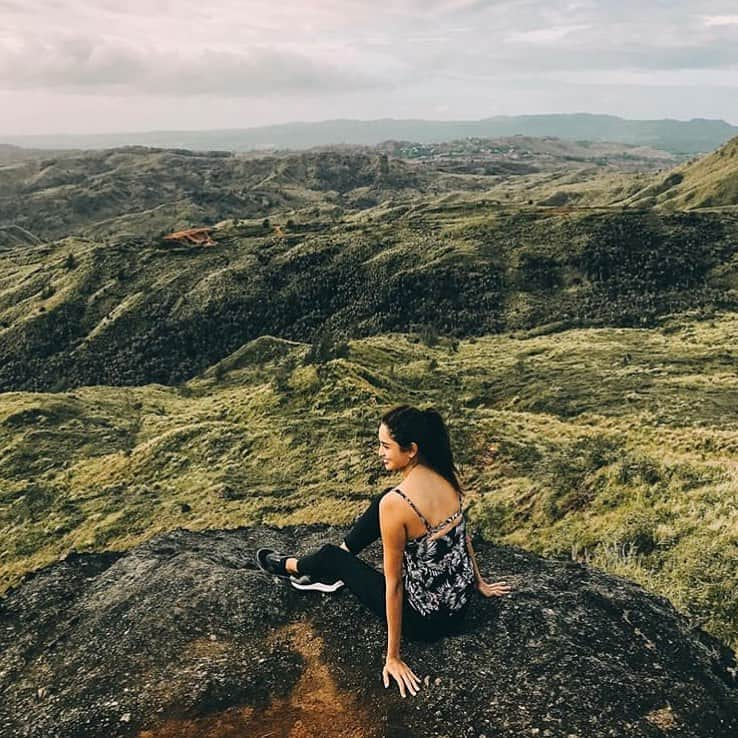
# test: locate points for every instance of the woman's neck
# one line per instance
(408, 470)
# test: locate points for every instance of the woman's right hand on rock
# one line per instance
(496, 589)
(403, 675)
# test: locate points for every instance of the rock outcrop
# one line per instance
(183, 636)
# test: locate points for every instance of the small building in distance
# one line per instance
(192, 236)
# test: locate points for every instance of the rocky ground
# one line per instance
(183, 636)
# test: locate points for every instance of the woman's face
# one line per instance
(393, 457)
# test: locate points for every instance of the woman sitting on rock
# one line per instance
(430, 571)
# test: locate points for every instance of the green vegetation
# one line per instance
(582, 351)
(76, 312)
(141, 192)
(616, 446)
(709, 182)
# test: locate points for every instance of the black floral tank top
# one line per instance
(438, 575)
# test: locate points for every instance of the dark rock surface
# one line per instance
(182, 636)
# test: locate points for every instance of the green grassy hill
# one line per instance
(583, 352)
(77, 312)
(617, 446)
(153, 190)
(136, 191)
(709, 182)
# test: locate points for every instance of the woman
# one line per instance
(430, 571)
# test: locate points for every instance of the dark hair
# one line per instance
(426, 427)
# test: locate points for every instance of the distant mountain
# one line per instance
(10, 154)
(709, 182)
(144, 191)
(693, 136)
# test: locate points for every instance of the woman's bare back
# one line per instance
(436, 500)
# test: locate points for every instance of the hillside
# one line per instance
(78, 311)
(144, 192)
(583, 352)
(147, 191)
(693, 136)
(612, 446)
(9, 154)
(709, 182)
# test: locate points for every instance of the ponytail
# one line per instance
(427, 429)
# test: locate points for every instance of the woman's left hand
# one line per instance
(403, 675)
(497, 589)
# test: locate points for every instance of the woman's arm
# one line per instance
(470, 549)
(393, 534)
(497, 589)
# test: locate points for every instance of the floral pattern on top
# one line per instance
(438, 574)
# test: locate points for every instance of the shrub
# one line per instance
(571, 473)
(638, 531)
(428, 335)
(633, 468)
(326, 346)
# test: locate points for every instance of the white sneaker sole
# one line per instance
(316, 586)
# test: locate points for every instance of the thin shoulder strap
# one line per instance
(412, 504)
(451, 517)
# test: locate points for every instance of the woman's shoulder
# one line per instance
(430, 488)
(390, 501)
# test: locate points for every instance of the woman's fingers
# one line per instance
(415, 680)
(402, 680)
(409, 681)
(406, 679)
(496, 589)
(400, 684)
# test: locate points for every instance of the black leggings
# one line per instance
(331, 562)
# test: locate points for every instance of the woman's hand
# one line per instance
(403, 675)
(497, 589)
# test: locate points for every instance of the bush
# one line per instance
(326, 346)
(494, 518)
(638, 531)
(428, 335)
(571, 473)
(633, 468)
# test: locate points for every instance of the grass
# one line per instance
(76, 312)
(614, 446)
(708, 182)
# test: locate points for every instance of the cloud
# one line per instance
(544, 35)
(85, 65)
(721, 20)
(284, 60)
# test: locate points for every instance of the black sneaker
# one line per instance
(305, 583)
(272, 562)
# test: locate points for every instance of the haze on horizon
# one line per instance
(78, 66)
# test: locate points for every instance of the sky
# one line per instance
(84, 66)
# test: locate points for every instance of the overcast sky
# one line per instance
(94, 66)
